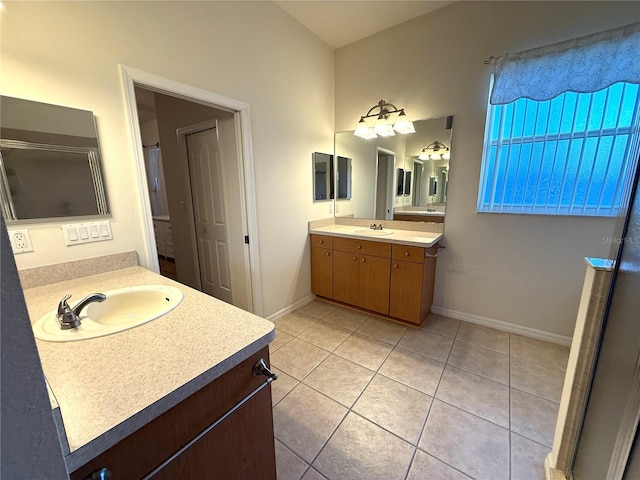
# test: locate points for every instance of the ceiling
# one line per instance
(342, 22)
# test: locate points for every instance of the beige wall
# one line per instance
(527, 270)
(68, 53)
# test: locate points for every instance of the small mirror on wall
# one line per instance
(50, 164)
(322, 177)
(400, 182)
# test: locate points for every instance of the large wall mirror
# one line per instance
(404, 177)
(49, 162)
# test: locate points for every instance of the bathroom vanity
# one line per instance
(130, 401)
(391, 275)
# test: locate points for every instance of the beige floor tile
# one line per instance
(533, 417)
(441, 325)
(280, 387)
(478, 448)
(481, 361)
(288, 465)
(426, 467)
(395, 407)
(419, 372)
(294, 323)
(527, 458)
(428, 344)
(305, 419)
(380, 329)
(542, 381)
(298, 358)
(365, 351)
(539, 352)
(279, 341)
(486, 337)
(325, 335)
(318, 309)
(361, 450)
(313, 474)
(346, 318)
(339, 379)
(475, 394)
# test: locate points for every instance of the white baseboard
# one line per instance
(500, 325)
(291, 308)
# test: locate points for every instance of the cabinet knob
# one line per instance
(102, 474)
(355, 258)
(406, 254)
(328, 253)
(320, 242)
(363, 260)
(395, 265)
(359, 247)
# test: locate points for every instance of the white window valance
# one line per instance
(586, 64)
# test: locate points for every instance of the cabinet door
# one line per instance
(374, 284)
(322, 272)
(405, 299)
(249, 425)
(346, 277)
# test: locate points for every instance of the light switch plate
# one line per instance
(86, 232)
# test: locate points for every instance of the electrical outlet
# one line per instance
(20, 240)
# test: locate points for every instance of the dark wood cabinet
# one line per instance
(240, 447)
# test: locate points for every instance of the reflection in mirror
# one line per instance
(378, 189)
(343, 179)
(322, 176)
(49, 162)
(400, 182)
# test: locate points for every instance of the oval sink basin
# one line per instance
(123, 309)
(372, 233)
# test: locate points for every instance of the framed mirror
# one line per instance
(323, 186)
(49, 162)
(381, 191)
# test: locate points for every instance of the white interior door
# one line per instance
(205, 172)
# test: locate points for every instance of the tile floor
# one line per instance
(359, 397)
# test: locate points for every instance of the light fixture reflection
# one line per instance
(435, 151)
(383, 120)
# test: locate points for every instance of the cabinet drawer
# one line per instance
(364, 247)
(408, 253)
(323, 241)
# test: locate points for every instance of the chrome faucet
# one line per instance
(373, 226)
(70, 317)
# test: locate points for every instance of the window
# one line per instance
(569, 155)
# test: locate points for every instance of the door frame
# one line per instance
(132, 77)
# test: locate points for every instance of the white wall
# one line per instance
(67, 53)
(527, 270)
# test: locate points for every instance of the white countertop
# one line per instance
(108, 387)
(403, 237)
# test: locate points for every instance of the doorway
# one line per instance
(385, 163)
(238, 279)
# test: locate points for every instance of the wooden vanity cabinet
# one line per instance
(361, 273)
(412, 283)
(240, 447)
(389, 279)
(322, 265)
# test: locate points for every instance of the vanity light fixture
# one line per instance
(383, 120)
(435, 151)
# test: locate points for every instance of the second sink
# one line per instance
(373, 233)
